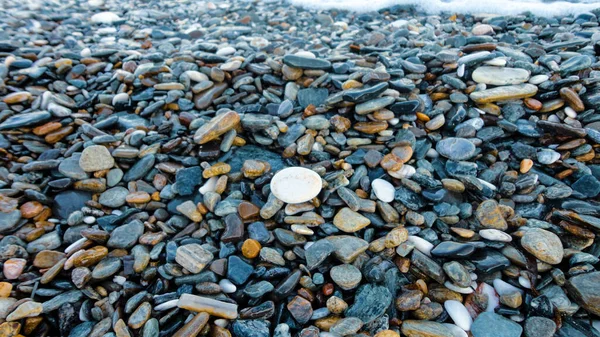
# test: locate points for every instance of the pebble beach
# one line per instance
(258, 169)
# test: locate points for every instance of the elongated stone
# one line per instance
(194, 326)
(504, 93)
(208, 305)
(500, 75)
(217, 126)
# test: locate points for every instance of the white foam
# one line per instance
(504, 7)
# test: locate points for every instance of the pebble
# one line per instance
(383, 190)
(544, 245)
(96, 158)
(296, 185)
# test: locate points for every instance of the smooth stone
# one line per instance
(140, 168)
(302, 62)
(412, 328)
(346, 276)
(347, 248)
(114, 197)
(539, 327)
(489, 324)
(456, 149)
(350, 221)
(544, 245)
(450, 249)
(27, 309)
(459, 314)
(96, 158)
(250, 328)
(346, 326)
(585, 291)
(238, 271)
(495, 235)
(383, 189)
(193, 257)
(217, 126)
(500, 75)
(504, 93)
(25, 119)
(317, 253)
(296, 185)
(9, 220)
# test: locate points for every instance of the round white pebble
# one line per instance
(383, 189)
(294, 185)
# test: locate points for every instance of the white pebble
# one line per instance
(524, 282)
(503, 288)
(89, 220)
(495, 235)
(209, 186)
(166, 306)
(459, 314)
(493, 300)
(227, 286)
(570, 112)
(308, 54)
(461, 290)
(294, 185)
(226, 51)
(221, 322)
(383, 189)
(105, 17)
(421, 245)
(75, 245)
(120, 280)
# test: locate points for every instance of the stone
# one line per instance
(349, 221)
(370, 302)
(504, 93)
(194, 326)
(489, 324)
(217, 126)
(543, 244)
(459, 314)
(96, 158)
(210, 306)
(296, 185)
(490, 216)
(193, 257)
(346, 276)
(27, 309)
(251, 248)
(584, 290)
(301, 309)
(383, 190)
(114, 197)
(412, 328)
(500, 75)
(539, 327)
(456, 148)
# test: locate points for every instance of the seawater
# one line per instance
(501, 7)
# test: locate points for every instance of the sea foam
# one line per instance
(501, 7)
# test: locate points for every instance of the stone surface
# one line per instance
(296, 185)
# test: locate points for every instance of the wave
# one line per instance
(502, 7)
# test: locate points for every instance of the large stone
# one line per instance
(585, 290)
(504, 93)
(489, 324)
(96, 158)
(455, 148)
(544, 245)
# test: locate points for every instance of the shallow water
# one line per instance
(508, 7)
